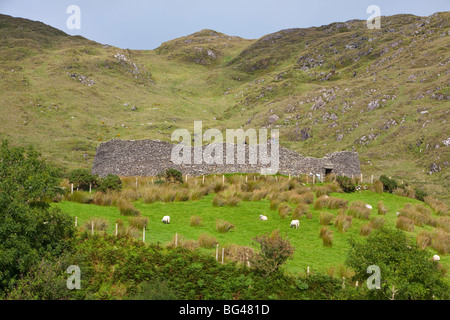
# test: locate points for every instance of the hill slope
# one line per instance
(383, 93)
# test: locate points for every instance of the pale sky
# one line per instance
(140, 24)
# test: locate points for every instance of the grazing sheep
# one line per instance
(398, 213)
(166, 219)
(295, 224)
(436, 258)
(368, 206)
(261, 217)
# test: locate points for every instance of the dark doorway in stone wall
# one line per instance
(328, 171)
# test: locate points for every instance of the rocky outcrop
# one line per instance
(151, 157)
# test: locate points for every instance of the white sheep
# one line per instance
(368, 206)
(295, 224)
(398, 213)
(261, 217)
(166, 219)
(436, 258)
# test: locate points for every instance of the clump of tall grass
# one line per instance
(343, 222)
(300, 210)
(218, 187)
(307, 197)
(138, 222)
(424, 239)
(366, 229)
(241, 254)
(378, 223)
(404, 224)
(284, 209)
(218, 201)
(382, 210)
(439, 207)
(443, 223)
(105, 199)
(79, 197)
(378, 186)
(327, 236)
(224, 226)
(196, 221)
(274, 204)
(359, 210)
(207, 241)
(441, 241)
(126, 208)
(410, 212)
(335, 203)
(325, 218)
(258, 195)
(99, 224)
(128, 231)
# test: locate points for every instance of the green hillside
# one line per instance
(383, 93)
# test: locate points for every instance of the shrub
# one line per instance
(82, 179)
(138, 222)
(80, 197)
(327, 236)
(110, 182)
(381, 208)
(420, 194)
(404, 224)
(359, 210)
(100, 224)
(346, 184)
(171, 176)
(325, 218)
(343, 222)
(207, 241)
(389, 185)
(275, 251)
(126, 208)
(196, 221)
(241, 254)
(232, 201)
(224, 226)
(218, 187)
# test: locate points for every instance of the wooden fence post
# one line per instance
(176, 239)
(92, 227)
(90, 187)
(307, 270)
(117, 227)
(76, 221)
(203, 179)
(143, 234)
(223, 251)
(217, 252)
(223, 179)
(71, 188)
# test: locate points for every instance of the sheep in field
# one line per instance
(436, 258)
(166, 219)
(368, 206)
(295, 224)
(261, 217)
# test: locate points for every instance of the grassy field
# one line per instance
(309, 250)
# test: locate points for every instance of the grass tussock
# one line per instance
(126, 208)
(207, 241)
(327, 236)
(343, 222)
(284, 209)
(378, 186)
(441, 241)
(99, 224)
(378, 223)
(325, 218)
(196, 221)
(300, 210)
(359, 210)
(366, 229)
(138, 222)
(439, 207)
(382, 210)
(224, 226)
(424, 239)
(404, 224)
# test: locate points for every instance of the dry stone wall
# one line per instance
(151, 157)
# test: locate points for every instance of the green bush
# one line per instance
(420, 194)
(346, 184)
(110, 182)
(389, 185)
(82, 179)
(171, 176)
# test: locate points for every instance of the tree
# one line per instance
(389, 185)
(29, 228)
(275, 251)
(407, 272)
(83, 179)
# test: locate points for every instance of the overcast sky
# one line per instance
(141, 24)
